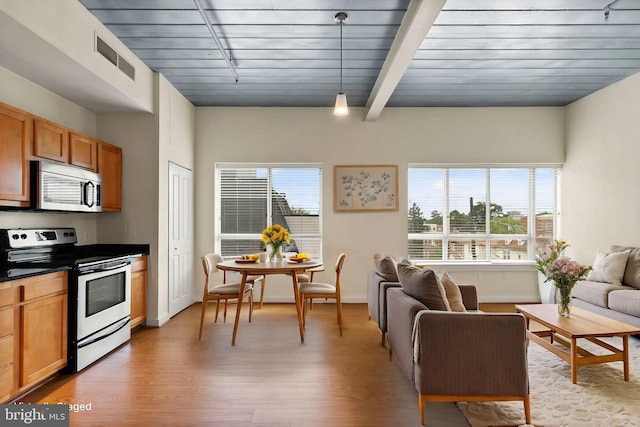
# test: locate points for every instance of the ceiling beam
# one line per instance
(414, 28)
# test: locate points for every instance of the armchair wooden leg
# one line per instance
(217, 310)
(527, 409)
(204, 309)
(421, 408)
(250, 304)
(224, 316)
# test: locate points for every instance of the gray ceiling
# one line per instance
(476, 53)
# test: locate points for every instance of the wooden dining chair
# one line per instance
(223, 292)
(307, 276)
(253, 279)
(309, 291)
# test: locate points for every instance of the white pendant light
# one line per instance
(341, 108)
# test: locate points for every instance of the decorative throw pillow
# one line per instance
(632, 270)
(423, 284)
(454, 296)
(386, 267)
(609, 268)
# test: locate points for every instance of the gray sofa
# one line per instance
(458, 356)
(620, 302)
(377, 287)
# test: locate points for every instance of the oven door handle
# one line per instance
(100, 269)
(119, 326)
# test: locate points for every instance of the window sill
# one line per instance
(528, 266)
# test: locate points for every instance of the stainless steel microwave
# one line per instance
(60, 187)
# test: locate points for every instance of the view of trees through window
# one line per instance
(448, 217)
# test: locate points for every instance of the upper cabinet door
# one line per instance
(51, 141)
(110, 166)
(83, 151)
(16, 139)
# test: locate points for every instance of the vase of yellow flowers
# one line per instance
(275, 237)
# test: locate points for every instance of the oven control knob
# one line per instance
(15, 237)
(23, 236)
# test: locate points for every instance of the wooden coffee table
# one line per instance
(581, 324)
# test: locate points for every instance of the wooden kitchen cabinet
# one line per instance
(16, 137)
(50, 140)
(110, 166)
(7, 341)
(33, 331)
(83, 151)
(138, 291)
(43, 327)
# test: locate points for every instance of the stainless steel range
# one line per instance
(99, 288)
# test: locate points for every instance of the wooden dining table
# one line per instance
(285, 266)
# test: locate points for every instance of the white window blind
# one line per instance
(250, 198)
(480, 213)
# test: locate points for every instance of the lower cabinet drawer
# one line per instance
(39, 286)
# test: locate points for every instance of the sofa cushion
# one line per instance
(609, 268)
(625, 301)
(595, 292)
(632, 270)
(423, 285)
(386, 267)
(452, 291)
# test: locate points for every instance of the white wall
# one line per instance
(400, 136)
(600, 200)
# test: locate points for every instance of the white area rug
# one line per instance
(600, 398)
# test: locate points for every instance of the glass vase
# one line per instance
(564, 302)
(275, 253)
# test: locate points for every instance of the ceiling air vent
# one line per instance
(114, 57)
(126, 68)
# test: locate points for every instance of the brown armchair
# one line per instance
(459, 357)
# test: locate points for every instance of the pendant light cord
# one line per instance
(341, 56)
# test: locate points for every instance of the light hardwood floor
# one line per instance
(166, 377)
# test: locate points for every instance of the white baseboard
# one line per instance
(159, 322)
(507, 299)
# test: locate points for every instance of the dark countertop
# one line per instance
(8, 273)
(102, 249)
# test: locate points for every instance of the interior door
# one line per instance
(180, 238)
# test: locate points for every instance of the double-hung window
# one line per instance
(251, 197)
(488, 214)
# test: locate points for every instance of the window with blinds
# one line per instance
(250, 198)
(480, 213)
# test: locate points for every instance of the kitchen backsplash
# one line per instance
(85, 224)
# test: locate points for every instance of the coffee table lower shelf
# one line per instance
(578, 356)
(560, 336)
